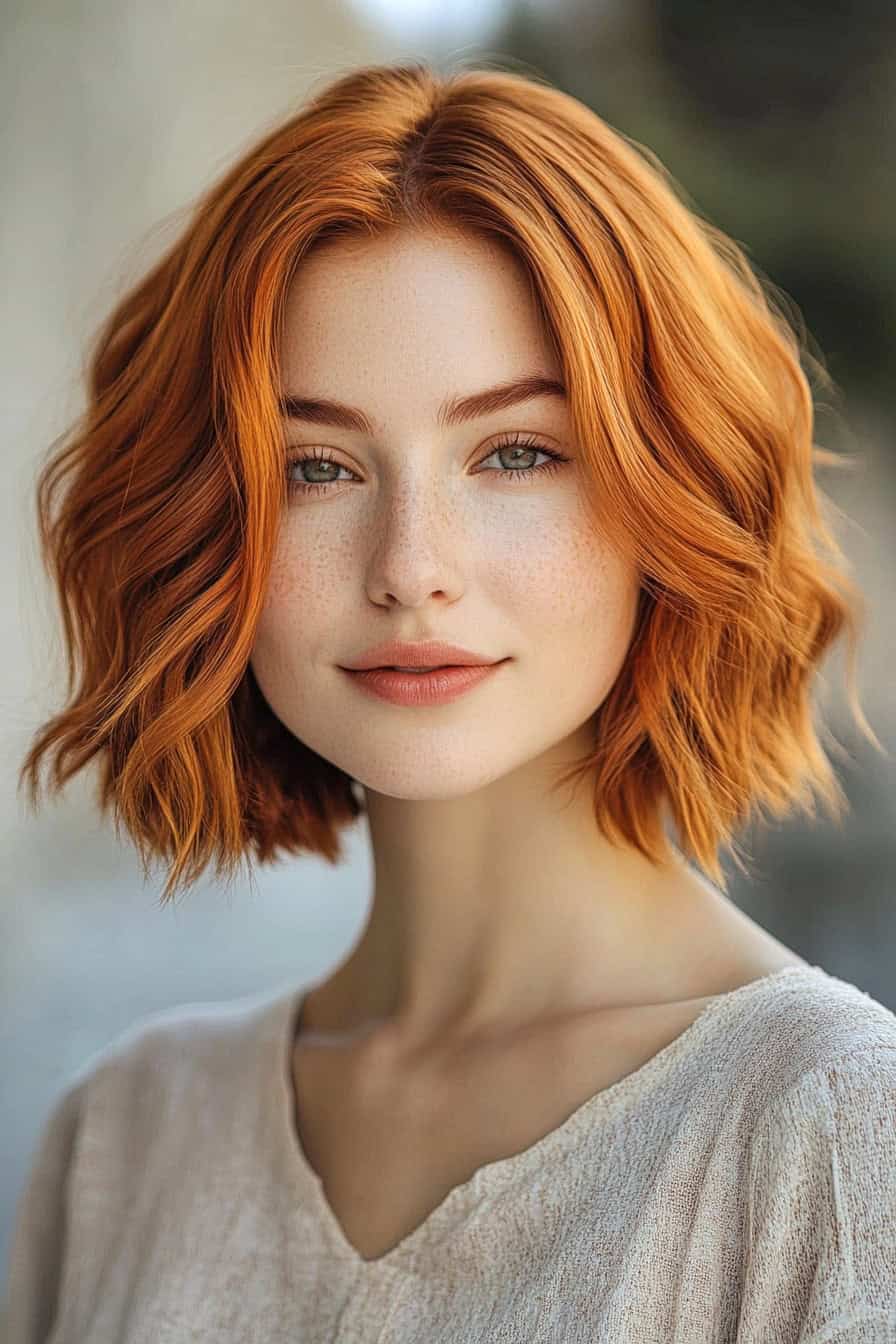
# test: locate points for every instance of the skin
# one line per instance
(497, 906)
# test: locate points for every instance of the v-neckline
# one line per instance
(492, 1177)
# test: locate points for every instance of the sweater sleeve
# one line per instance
(820, 1261)
(39, 1236)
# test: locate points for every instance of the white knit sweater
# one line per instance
(738, 1188)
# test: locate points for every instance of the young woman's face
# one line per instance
(421, 530)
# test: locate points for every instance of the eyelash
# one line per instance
(524, 473)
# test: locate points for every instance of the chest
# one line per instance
(389, 1147)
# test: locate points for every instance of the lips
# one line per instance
(426, 655)
(433, 686)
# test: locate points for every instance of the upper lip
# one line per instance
(433, 653)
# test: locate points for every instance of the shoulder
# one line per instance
(808, 1034)
(847, 1103)
(169, 1083)
(828, 1115)
(821, 1170)
(159, 1059)
(797, 1038)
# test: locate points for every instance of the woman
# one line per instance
(446, 361)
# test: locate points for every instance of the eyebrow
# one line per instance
(452, 412)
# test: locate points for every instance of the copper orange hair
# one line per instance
(692, 415)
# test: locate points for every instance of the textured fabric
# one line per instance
(738, 1187)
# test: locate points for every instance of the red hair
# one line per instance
(693, 421)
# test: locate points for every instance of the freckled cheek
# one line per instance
(301, 601)
(293, 580)
(567, 573)
(578, 600)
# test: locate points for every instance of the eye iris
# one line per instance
(325, 465)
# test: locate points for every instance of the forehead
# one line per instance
(389, 316)
(404, 258)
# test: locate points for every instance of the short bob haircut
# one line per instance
(693, 420)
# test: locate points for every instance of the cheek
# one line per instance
(578, 609)
(569, 583)
(306, 580)
(297, 618)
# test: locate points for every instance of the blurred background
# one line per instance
(771, 116)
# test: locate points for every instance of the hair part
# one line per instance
(159, 509)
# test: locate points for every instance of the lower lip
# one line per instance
(438, 687)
